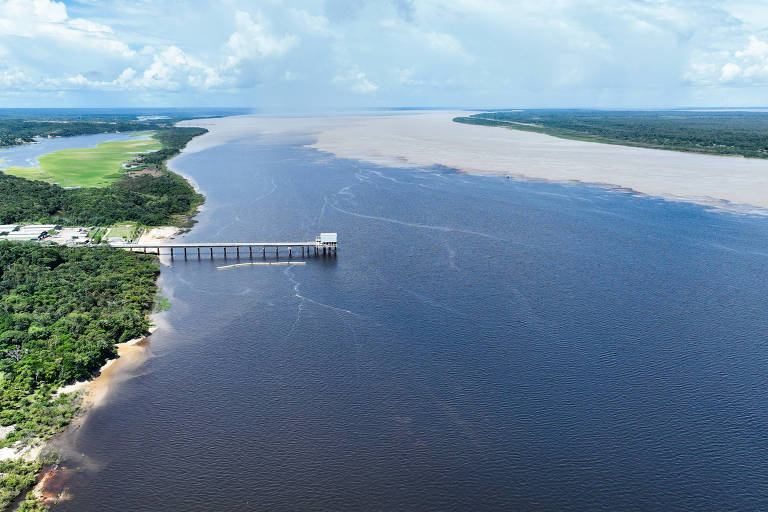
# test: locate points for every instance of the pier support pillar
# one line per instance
(290, 249)
(211, 252)
(171, 252)
(250, 252)
(198, 253)
(277, 254)
(238, 251)
(185, 253)
(225, 253)
(302, 251)
(263, 252)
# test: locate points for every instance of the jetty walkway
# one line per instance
(325, 244)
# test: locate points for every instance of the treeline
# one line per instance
(21, 126)
(151, 199)
(719, 132)
(173, 142)
(62, 310)
(14, 132)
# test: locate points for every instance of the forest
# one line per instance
(721, 132)
(22, 126)
(62, 310)
(19, 131)
(158, 198)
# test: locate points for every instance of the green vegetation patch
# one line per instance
(128, 230)
(16, 476)
(156, 199)
(44, 416)
(718, 132)
(162, 303)
(62, 311)
(99, 166)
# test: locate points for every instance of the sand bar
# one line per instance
(427, 139)
(262, 264)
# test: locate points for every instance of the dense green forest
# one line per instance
(156, 198)
(21, 126)
(717, 132)
(17, 476)
(19, 131)
(62, 310)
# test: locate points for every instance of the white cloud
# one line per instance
(312, 24)
(356, 81)
(47, 22)
(756, 49)
(14, 79)
(748, 65)
(430, 52)
(173, 70)
(89, 26)
(33, 11)
(447, 43)
(253, 39)
(405, 76)
(729, 72)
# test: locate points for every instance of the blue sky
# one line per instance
(325, 54)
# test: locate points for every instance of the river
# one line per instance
(479, 343)
(26, 155)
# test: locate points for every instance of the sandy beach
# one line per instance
(429, 139)
(130, 354)
(158, 235)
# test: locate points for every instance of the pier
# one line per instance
(325, 244)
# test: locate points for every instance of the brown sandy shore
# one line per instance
(426, 139)
(51, 486)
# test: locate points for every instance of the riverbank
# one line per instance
(26, 458)
(433, 139)
(78, 324)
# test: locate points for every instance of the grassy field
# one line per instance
(90, 167)
(123, 230)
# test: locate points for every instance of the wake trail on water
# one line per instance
(236, 218)
(444, 229)
(304, 298)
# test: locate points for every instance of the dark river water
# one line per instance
(477, 344)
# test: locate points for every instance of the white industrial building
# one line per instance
(327, 240)
(24, 233)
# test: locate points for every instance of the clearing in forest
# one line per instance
(99, 166)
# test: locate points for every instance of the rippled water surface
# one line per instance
(478, 344)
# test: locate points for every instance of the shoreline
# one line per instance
(427, 140)
(47, 488)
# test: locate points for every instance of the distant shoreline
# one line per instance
(423, 140)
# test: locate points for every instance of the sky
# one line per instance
(306, 55)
